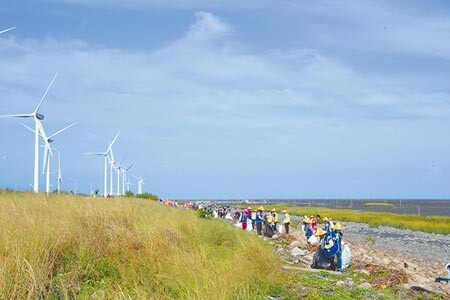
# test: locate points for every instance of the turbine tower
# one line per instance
(37, 117)
(105, 155)
(59, 170)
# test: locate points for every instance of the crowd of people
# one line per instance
(325, 235)
(331, 252)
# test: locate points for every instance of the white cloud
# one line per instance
(207, 27)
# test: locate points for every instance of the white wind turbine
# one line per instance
(6, 30)
(60, 180)
(124, 171)
(37, 117)
(128, 185)
(119, 173)
(140, 183)
(48, 153)
(111, 162)
(105, 155)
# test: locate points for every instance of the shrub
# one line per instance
(148, 196)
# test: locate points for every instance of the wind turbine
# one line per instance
(48, 153)
(128, 185)
(111, 168)
(59, 170)
(6, 30)
(37, 117)
(105, 155)
(124, 171)
(140, 183)
(119, 170)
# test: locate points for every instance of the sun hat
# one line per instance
(338, 226)
(261, 208)
(312, 216)
(326, 219)
(274, 210)
(320, 232)
(307, 220)
(284, 211)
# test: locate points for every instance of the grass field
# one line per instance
(76, 248)
(69, 247)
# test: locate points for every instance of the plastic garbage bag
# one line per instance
(249, 225)
(321, 261)
(313, 240)
(346, 256)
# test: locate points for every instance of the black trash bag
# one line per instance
(268, 230)
(321, 261)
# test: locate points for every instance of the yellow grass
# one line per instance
(69, 247)
(435, 224)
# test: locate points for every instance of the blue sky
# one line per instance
(234, 99)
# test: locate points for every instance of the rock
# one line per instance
(365, 272)
(410, 265)
(349, 282)
(297, 251)
(340, 283)
(420, 279)
(406, 286)
(297, 244)
(364, 285)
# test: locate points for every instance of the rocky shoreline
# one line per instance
(415, 244)
(417, 257)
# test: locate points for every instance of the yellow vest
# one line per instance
(269, 218)
(275, 217)
(287, 218)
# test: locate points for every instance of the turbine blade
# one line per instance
(129, 167)
(112, 143)
(120, 164)
(112, 156)
(27, 127)
(47, 148)
(6, 30)
(59, 131)
(93, 153)
(17, 116)
(45, 93)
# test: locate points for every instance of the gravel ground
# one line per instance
(430, 246)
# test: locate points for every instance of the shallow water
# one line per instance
(421, 207)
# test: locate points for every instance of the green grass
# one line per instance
(70, 247)
(435, 224)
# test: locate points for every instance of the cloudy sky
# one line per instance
(234, 99)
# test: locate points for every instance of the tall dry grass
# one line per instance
(75, 248)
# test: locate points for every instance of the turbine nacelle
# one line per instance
(39, 116)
